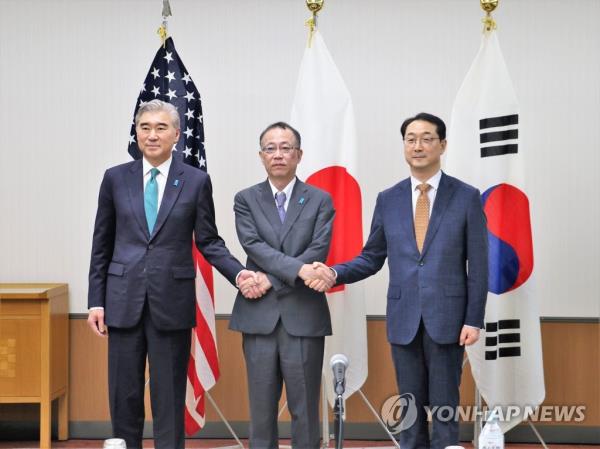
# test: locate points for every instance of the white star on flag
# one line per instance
(171, 94)
(131, 139)
(189, 96)
(188, 132)
(203, 367)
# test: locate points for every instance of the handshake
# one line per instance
(317, 276)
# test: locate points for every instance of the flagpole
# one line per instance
(163, 31)
(489, 26)
(488, 6)
(314, 6)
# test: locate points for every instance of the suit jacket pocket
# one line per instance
(116, 269)
(394, 292)
(455, 290)
(116, 282)
(183, 272)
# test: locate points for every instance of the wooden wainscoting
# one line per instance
(571, 362)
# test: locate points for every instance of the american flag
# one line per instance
(168, 80)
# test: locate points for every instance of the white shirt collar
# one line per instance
(287, 189)
(162, 168)
(434, 181)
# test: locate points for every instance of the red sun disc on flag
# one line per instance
(346, 240)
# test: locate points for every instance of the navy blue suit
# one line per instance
(431, 295)
(145, 282)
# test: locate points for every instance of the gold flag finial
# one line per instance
(488, 6)
(162, 30)
(314, 6)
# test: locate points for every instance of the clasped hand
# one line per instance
(252, 284)
(317, 276)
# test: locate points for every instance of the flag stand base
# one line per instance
(231, 431)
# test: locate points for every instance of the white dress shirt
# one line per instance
(287, 190)
(161, 178)
(434, 182)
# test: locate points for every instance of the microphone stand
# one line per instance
(338, 413)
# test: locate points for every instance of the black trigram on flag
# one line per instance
(503, 332)
(499, 135)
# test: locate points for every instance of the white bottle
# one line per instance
(114, 443)
(491, 436)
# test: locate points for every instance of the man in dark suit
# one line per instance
(432, 229)
(283, 225)
(141, 281)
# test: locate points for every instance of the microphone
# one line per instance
(339, 364)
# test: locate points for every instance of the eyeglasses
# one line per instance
(272, 149)
(425, 141)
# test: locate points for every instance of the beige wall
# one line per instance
(71, 70)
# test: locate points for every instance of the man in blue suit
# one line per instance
(141, 281)
(432, 229)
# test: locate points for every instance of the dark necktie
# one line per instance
(151, 199)
(280, 199)
(422, 215)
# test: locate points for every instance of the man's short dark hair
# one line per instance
(281, 125)
(438, 122)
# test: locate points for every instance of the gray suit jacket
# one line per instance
(280, 249)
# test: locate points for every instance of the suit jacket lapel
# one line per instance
(173, 188)
(267, 203)
(135, 187)
(297, 201)
(405, 212)
(442, 199)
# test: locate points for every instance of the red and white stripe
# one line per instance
(203, 367)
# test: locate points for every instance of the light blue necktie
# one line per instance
(151, 199)
(280, 199)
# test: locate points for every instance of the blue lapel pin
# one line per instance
(176, 182)
(301, 201)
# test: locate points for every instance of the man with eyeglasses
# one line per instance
(432, 229)
(284, 225)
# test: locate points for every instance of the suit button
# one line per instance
(144, 270)
(421, 263)
(150, 246)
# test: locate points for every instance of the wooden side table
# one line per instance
(34, 351)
